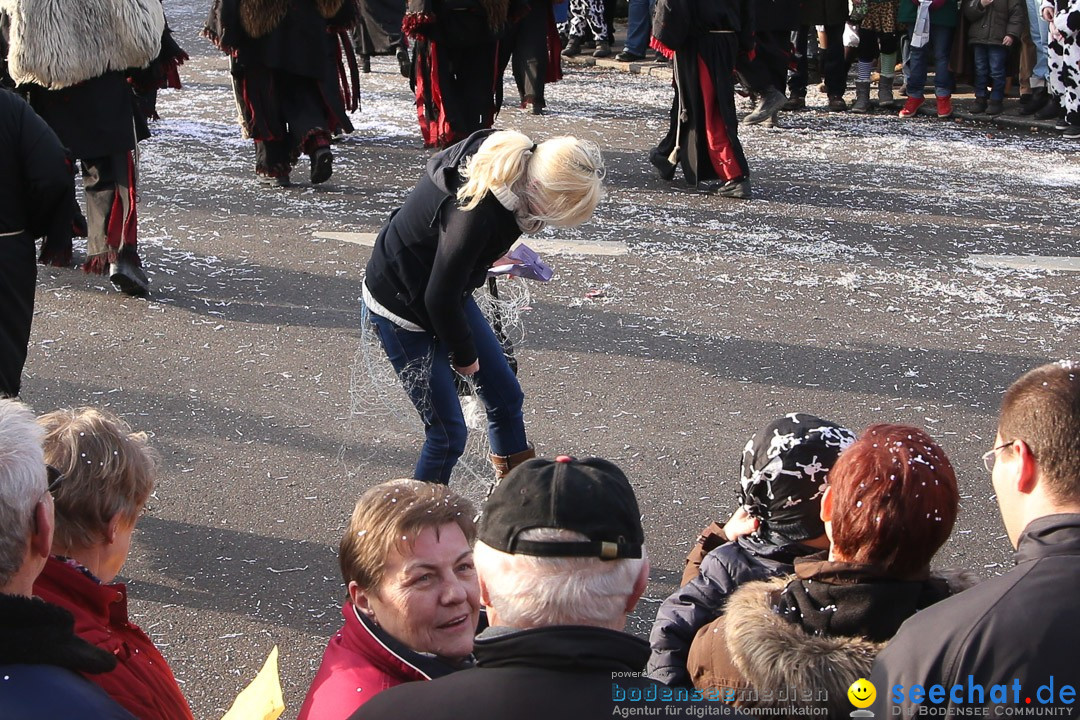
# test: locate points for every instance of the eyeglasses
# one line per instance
(55, 478)
(990, 457)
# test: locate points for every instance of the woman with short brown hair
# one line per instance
(414, 598)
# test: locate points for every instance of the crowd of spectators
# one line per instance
(821, 579)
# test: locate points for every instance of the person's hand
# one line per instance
(740, 524)
(468, 369)
(1008, 41)
(1048, 14)
(984, 3)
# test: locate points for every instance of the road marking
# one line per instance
(551, 247)
(1055, 263)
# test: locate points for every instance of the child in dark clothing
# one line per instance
(995, 26)
(785, 467)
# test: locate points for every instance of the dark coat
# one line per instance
(40, 661)
(1019, 626)
(702, 600)
(551, 673)
(988, 25)
(142, 681)
(431, 254)
(824, 12)
(817, 632)
(36, 195)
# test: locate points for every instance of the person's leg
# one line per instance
(835, 65)
(596, 15)
(867, 53)
(423, 367)
(531, 55)
(916, 72)
(112, 240)
(18, 274)
(497, 387)
(887, 45)
(996, 57)
(638, 25)
(1039, 32)
(796, 80)
(941, 40)
(981, 57)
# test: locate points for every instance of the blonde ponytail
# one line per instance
(501, 161)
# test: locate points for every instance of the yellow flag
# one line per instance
(261, 700)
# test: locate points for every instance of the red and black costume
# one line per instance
(533, 41)
(292, 89)
(455, 62)
(705, 38)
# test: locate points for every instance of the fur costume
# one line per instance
(260, 17)
(59, 43)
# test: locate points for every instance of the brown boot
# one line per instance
(505, 463)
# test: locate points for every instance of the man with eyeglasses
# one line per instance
(1011, 641)
(40, 655)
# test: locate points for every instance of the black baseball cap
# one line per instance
(590, 496)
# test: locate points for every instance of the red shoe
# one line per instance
(944, 106)
(911, 107)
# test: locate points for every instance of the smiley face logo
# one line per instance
(862, 693)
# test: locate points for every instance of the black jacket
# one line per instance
(37, 197)
(1019, 626)
(988, 25)
(702, 600)
(431, 254)
(552, 673)
(40, 658)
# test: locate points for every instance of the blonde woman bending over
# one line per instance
(473, 202)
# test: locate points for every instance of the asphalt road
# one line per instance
(849, 287)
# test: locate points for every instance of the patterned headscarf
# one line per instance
(785, 467)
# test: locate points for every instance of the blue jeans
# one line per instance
(638, 26)
(990, 65)
(422, 362)
(940, 45)
(1040, 36)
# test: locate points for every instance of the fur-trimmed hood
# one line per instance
(260, 17)
(59, 43)
(769, 661)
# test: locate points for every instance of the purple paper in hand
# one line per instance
(523, 262)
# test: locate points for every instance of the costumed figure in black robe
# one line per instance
(292, 90)
(36, 199)
(72, 61)
(455, 59)
(704, 38)
(378, 32)
(533, 42)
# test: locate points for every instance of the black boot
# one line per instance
(1039, 98)
(1049, 110)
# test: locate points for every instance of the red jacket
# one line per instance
(142, 681)
(359, 662)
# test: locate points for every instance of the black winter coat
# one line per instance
(1019, 626)
(988, 25)
(565, 672)
(40, 658)
(37, 195)
(431, 254)
(702, 600)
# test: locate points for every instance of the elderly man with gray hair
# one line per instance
(561, 561)
(40, 655)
